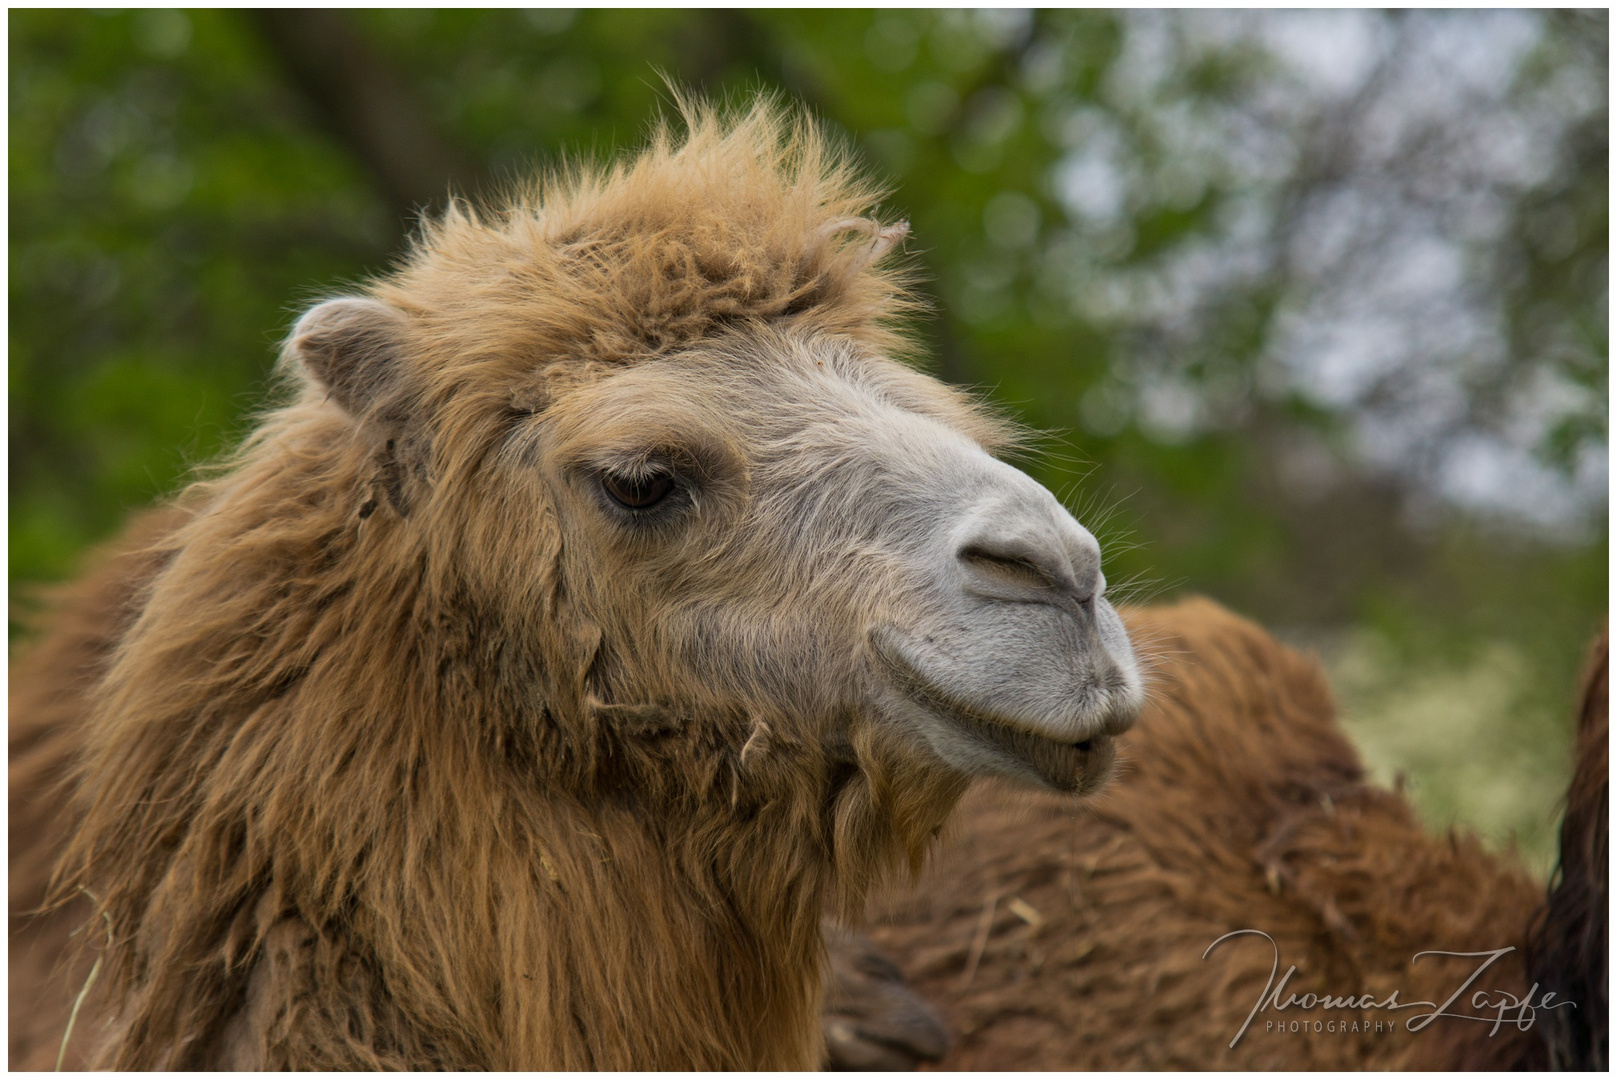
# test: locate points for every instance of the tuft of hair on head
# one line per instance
(727, 216)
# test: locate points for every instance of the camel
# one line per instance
(1144, 929)
(604, 600)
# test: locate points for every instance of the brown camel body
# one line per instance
(1058, 936)
(603, 604)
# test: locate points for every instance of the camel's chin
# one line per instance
(1079, 767)
(981, 745)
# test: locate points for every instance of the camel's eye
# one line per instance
(638, 492)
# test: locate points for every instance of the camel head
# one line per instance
(651, 428)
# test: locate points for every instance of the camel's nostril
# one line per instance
(1014, 567)
(1016, 571)
(1083, 746)
(1087, 583)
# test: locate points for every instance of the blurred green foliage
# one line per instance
(1122, 216)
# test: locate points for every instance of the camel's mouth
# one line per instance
(977, 741)
(1078, 767)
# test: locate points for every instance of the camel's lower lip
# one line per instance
(980, 742)
(1067, 766)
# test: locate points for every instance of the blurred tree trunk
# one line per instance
(359, 100)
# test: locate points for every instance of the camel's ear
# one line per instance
(353, 347)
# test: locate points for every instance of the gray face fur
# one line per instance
(834, 544)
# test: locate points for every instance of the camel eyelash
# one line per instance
(640, 491)
(644, 494)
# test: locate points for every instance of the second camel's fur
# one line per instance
(1054, 936)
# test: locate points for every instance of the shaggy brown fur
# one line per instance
(377, 772)
(871, 1019)
(48, 703)
(1055, 936)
